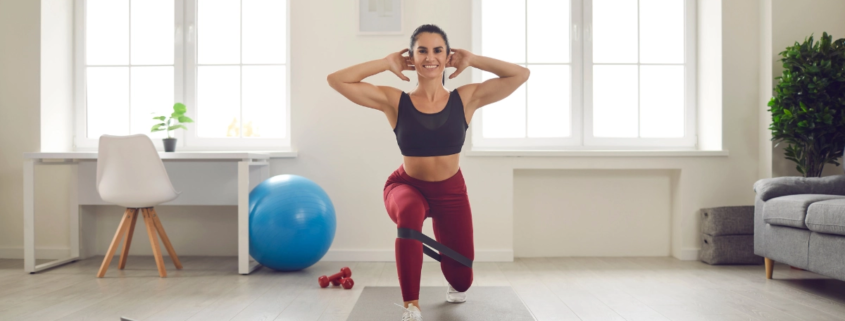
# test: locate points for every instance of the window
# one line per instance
(605, 74)
(226, 60)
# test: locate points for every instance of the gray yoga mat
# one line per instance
(376, 303)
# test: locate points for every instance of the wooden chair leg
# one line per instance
(148, 221)
(124, 223)
(770, 266)
(165, 239)
(128, 240)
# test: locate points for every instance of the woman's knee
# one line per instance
(410, 216)
(459, 277)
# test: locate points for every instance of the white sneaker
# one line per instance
(453, 296)
(412, 313)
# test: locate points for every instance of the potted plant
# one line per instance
(170, 123)
(808, 107)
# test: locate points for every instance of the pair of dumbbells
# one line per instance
(342, 278)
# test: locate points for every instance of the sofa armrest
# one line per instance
(769, 188)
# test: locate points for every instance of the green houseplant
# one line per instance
(808, 107)
(175, 121)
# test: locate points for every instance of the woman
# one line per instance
(430, 124)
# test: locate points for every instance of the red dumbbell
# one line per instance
(347, 283)
(345, 272)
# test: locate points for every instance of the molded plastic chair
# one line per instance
(130, 174)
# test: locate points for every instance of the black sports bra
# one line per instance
(421, 134)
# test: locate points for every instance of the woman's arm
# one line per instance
(348, 81)
(511, 76)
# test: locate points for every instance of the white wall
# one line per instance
(709, 72)
(350, 150)
(764, 117)
(56, 74)
(592, 212)
(19, 109)
(35, 44)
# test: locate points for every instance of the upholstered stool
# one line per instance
(727, 235)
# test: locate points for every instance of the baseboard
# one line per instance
(687, 254)
(42, 252)
(390, 256)
(53, 253)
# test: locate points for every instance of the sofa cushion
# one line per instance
(827, 217)
(791, 210)
(769, 188)
(826, 256)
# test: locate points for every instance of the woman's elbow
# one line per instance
(332, 80)
(525, 74)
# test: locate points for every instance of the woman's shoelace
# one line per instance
(402, 306)
(406, 309)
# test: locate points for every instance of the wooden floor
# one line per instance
(552, 288)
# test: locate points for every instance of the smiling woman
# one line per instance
(431, 31)
(430, 124)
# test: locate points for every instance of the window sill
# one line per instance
(596, 153)
(284, 154)
(178, 154)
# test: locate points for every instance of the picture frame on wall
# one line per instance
(379, 17)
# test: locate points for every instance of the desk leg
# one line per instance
(29, 215)
(243, 217)
(74, 211)
(29, 218)
(245, 265)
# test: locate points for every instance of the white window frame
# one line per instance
(185, 79)
(581, 106)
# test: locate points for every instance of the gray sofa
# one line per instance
(801, 222)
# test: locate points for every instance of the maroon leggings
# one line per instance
(409, 201)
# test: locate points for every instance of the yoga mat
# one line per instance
(376, 303)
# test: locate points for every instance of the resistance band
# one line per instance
(407, 233)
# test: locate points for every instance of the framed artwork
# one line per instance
(379, 17)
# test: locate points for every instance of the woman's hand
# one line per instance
(398, 63)
(459, 59)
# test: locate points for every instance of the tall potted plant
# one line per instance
(175, 121)
(808, 107)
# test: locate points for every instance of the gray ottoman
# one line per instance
(727, 235)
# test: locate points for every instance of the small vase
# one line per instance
(169, 144)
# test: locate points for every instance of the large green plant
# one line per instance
(808, 107)
(170, 123)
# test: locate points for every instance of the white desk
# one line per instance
(253, 165)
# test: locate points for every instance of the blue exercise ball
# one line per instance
(291, 223)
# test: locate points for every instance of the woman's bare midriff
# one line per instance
(432, 168)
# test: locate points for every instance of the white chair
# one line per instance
(130, 174)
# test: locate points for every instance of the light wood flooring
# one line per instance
(208, 288)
